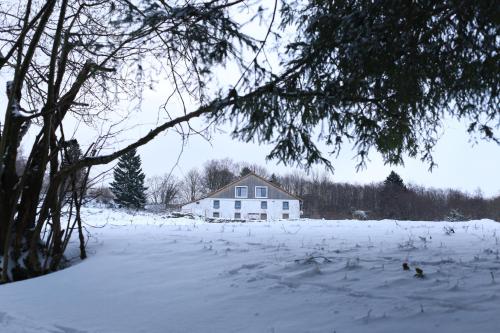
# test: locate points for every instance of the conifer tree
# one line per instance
(393, 203)
(128, 184)
(394, 180)
(274, 179)
(245, 171)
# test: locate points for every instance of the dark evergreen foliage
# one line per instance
(128, 184)
(380, 74)
(245, 171)
(394, 180)
(274, 179)
(71, 152)
(394, 198)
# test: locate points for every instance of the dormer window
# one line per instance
(261, 191)
(241, 191)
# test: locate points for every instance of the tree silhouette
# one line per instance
(393, 203)
(128, 185)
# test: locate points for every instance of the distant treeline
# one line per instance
(324, 198)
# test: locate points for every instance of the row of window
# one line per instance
(263, 216)
(242, 192)
(263, 204)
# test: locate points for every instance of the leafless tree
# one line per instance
(192, 186)
(252, 167)
(217, 173)
(154, 185)
(163, 190)
(171, 191)
(80, 59)
(101, 194)
(324, 198)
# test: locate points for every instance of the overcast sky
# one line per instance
(461, 164)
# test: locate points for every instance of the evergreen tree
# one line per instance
(128, 184)
(245, 171)
(394, 180)
(393, 203)
(274, 179)
(71, 153)
(380, 78)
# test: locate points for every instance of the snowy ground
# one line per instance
(147, 273)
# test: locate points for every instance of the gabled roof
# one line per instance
(234, 182)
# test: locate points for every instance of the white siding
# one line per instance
(274, 211)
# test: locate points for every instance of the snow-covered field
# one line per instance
(147, 273)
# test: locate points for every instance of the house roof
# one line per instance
(240, 179)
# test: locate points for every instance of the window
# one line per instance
(241, 191)
(261, 191)
(237, 204)
(286, 216)
(253, 216)
(263, 204)
(286, 205)
(216, 204)
(216, 214)
(237, 215)
(263, 216)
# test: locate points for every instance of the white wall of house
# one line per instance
(250, 208)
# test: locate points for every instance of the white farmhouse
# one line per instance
(250, 197)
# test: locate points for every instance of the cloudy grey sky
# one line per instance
(462, 163)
